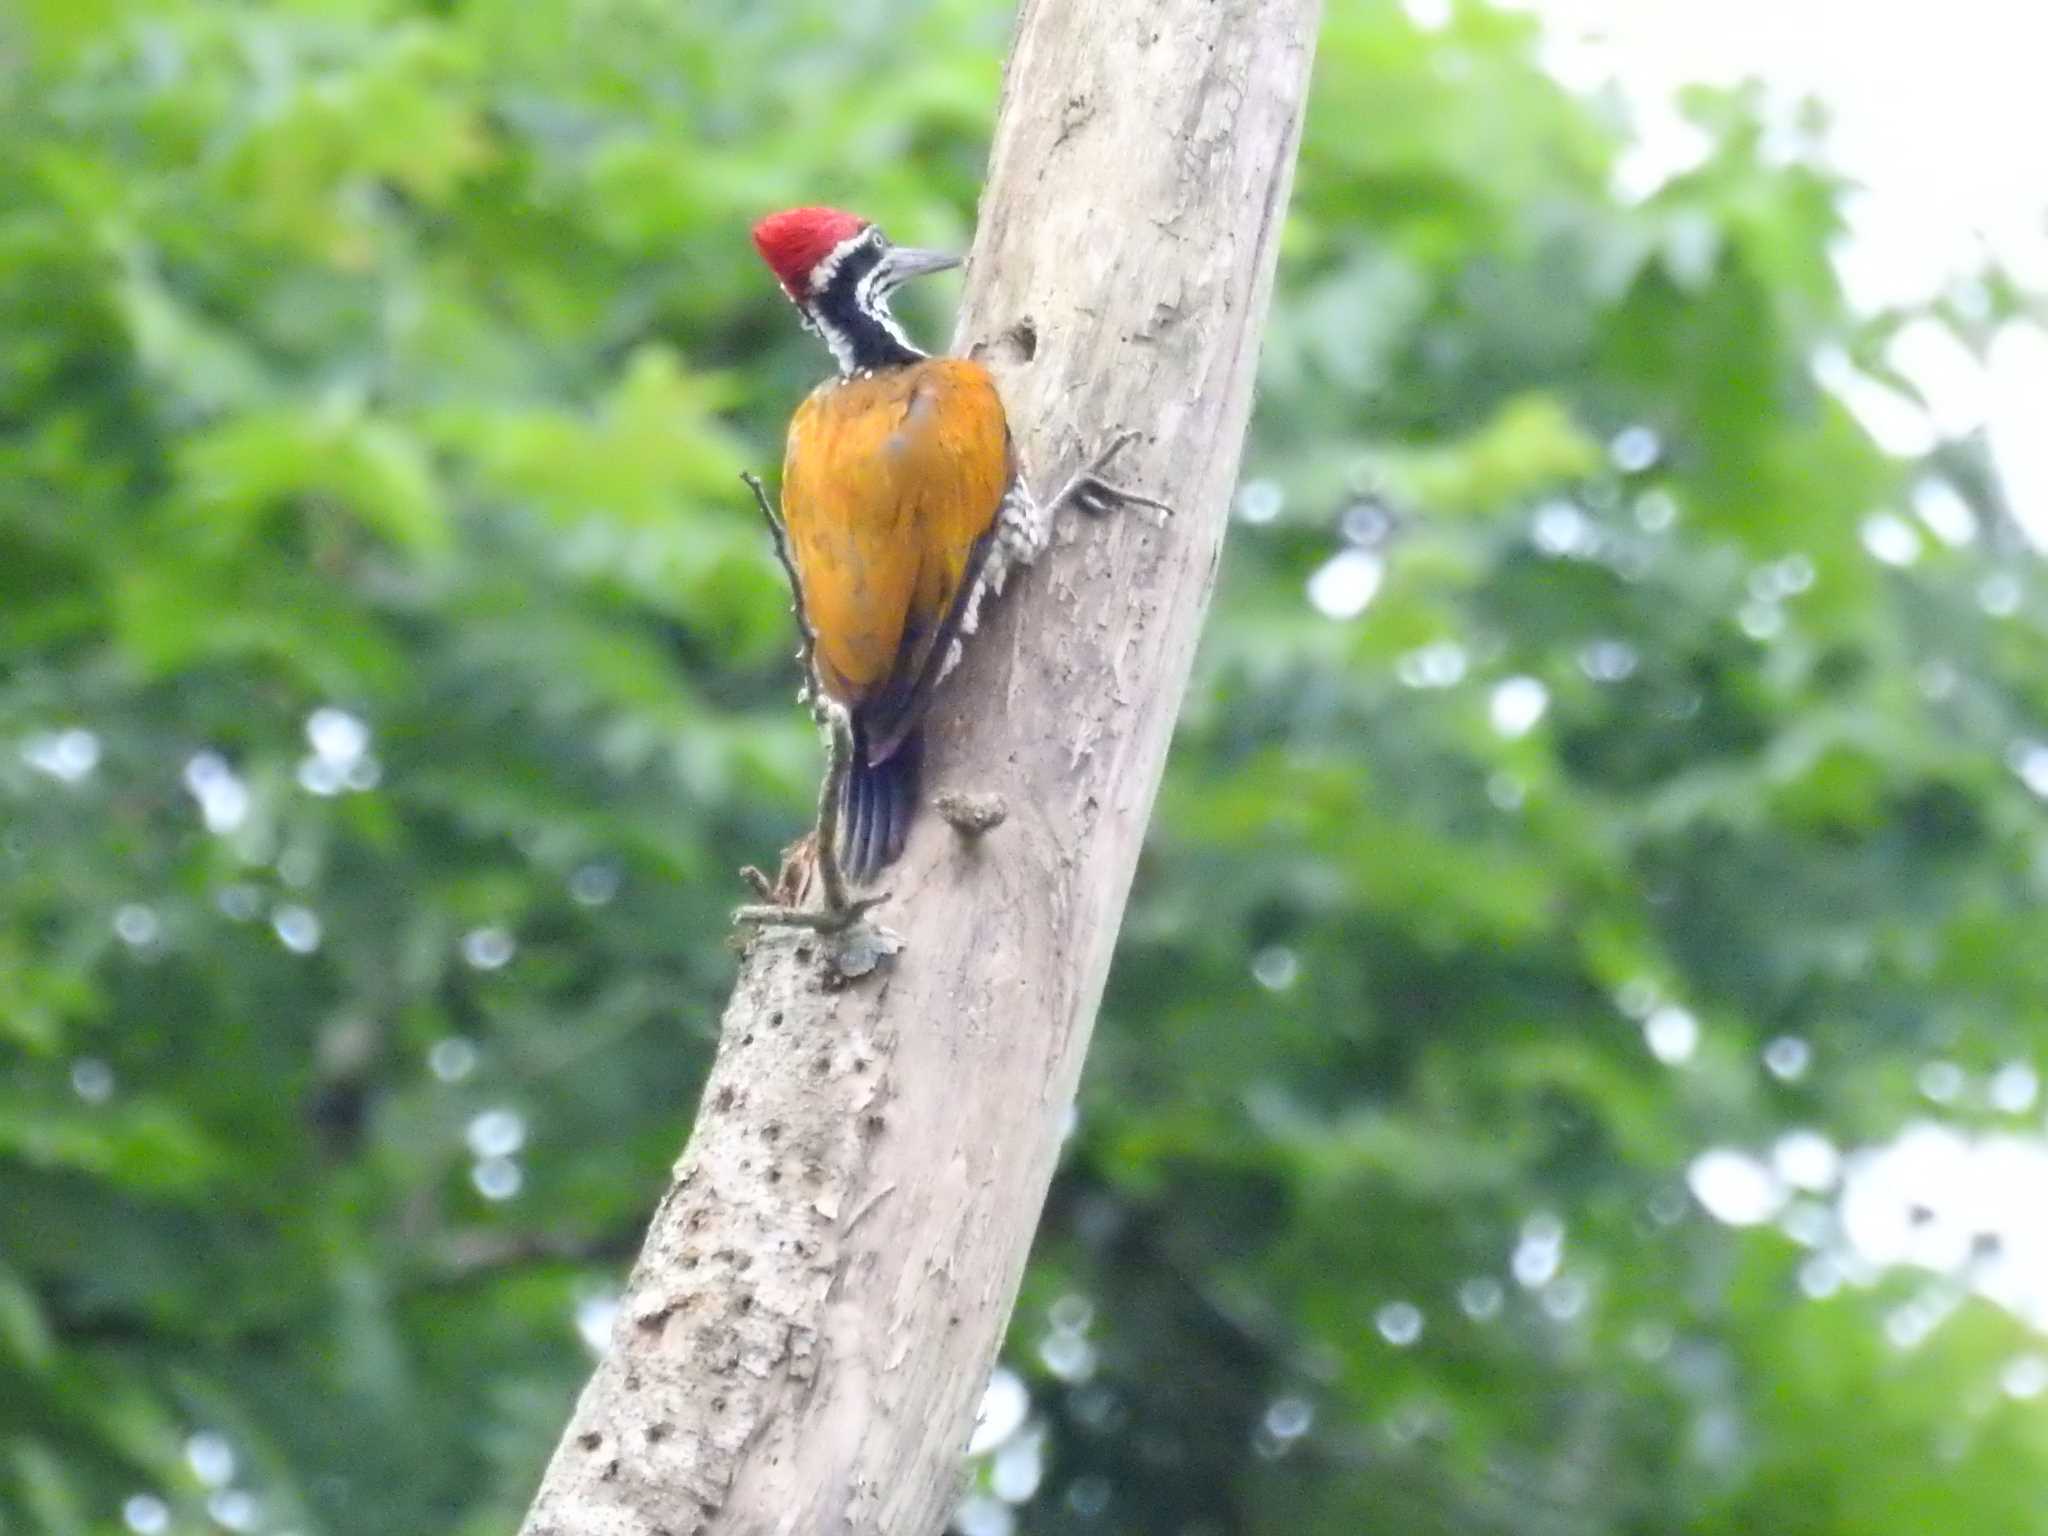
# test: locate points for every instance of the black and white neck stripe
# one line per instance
(849, 308)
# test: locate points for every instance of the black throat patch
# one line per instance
(852, 314)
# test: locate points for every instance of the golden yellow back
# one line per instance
(890, 482)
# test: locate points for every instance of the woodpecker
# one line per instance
(902, 504)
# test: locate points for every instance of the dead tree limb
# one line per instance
(825, 1285)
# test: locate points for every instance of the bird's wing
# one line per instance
(890, 492)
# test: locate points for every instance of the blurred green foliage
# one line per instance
(392, 675)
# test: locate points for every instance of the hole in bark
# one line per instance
(590, 1440)
(746, 1303)
(823, 1064)
(775, 1019)
(774, 1175)
(772, 1131)
(1022, 340)
(724, 1099)
(656, 1433)
(718, 1405)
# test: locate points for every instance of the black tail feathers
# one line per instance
(875, 806)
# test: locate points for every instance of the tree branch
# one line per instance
(825, 1285)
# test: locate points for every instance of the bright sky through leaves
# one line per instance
(1936, 111)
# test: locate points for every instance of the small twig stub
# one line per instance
(971, 815)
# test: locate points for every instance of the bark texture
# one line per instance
(825, 1285)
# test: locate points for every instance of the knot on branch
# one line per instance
(971, 815)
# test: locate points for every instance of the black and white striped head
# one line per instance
(840, 270)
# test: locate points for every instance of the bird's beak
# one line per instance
(905, 262)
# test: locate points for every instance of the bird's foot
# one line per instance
(827, 919)
(782, 903)
(1093, 492)
(852, 946)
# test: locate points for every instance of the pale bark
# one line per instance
(825, 1286)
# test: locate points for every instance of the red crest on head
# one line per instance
(794, 241)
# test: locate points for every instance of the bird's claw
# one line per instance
(838, 915)
(852, 947)
(773, 914)
(1093, 492)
